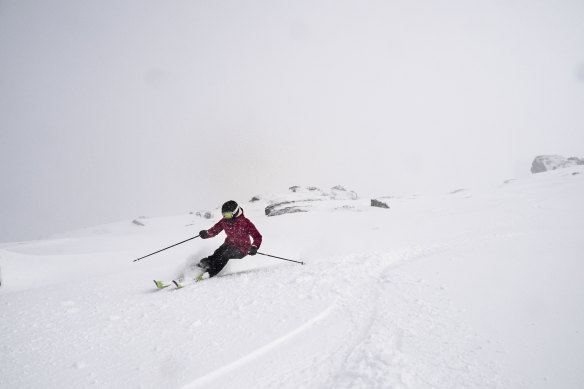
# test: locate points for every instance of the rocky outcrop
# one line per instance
(544, 163)
(340, 193)
(304, 199)
(285, 207)
(379, 204)
(310, 198)
(139, 221)
(203, 214)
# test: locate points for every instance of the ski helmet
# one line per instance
(230, 210)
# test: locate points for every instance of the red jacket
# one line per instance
(238, 232)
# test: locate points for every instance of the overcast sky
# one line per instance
(112, 109)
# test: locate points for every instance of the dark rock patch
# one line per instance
(379, 203)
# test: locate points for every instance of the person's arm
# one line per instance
(213, 231)
(256, 236)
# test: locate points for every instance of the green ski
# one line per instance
(182, 283)
(162, 284)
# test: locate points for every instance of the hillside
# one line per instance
(464, 290)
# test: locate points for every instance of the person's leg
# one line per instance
(216, 262)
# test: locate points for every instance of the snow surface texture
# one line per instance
(464, 290)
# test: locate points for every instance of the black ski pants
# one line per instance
(216, 262)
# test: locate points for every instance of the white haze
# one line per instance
(114, 109)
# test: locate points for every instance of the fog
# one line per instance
(114, 109)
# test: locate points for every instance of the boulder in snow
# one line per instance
(138, 223)
(379, 203)
(309, 190)
(204, 214)
(304, 199)
(340, 193)
(284, 207)
(544, 163)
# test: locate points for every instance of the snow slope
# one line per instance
(465, 290)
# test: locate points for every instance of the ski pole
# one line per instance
(273, 256)
(165, 248)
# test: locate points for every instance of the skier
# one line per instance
(237, 244)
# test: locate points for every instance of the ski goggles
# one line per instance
(230, 215)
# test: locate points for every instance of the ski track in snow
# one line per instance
(205, 380)
(365, 359)
(464, 292)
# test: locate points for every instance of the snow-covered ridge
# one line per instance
(471, 289)
(544, 163)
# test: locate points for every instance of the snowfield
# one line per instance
(464, 290)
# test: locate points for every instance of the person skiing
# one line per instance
(237, 245)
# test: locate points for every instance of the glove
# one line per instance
(203, 234)
(253, 250)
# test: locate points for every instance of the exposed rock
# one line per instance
(138, 222)
(338, 193)
(283, 211)
(284, 207)
(311, 190)
(204, 214)
(254, 199)
(544, 163)
(379, 203)
(303, 200)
